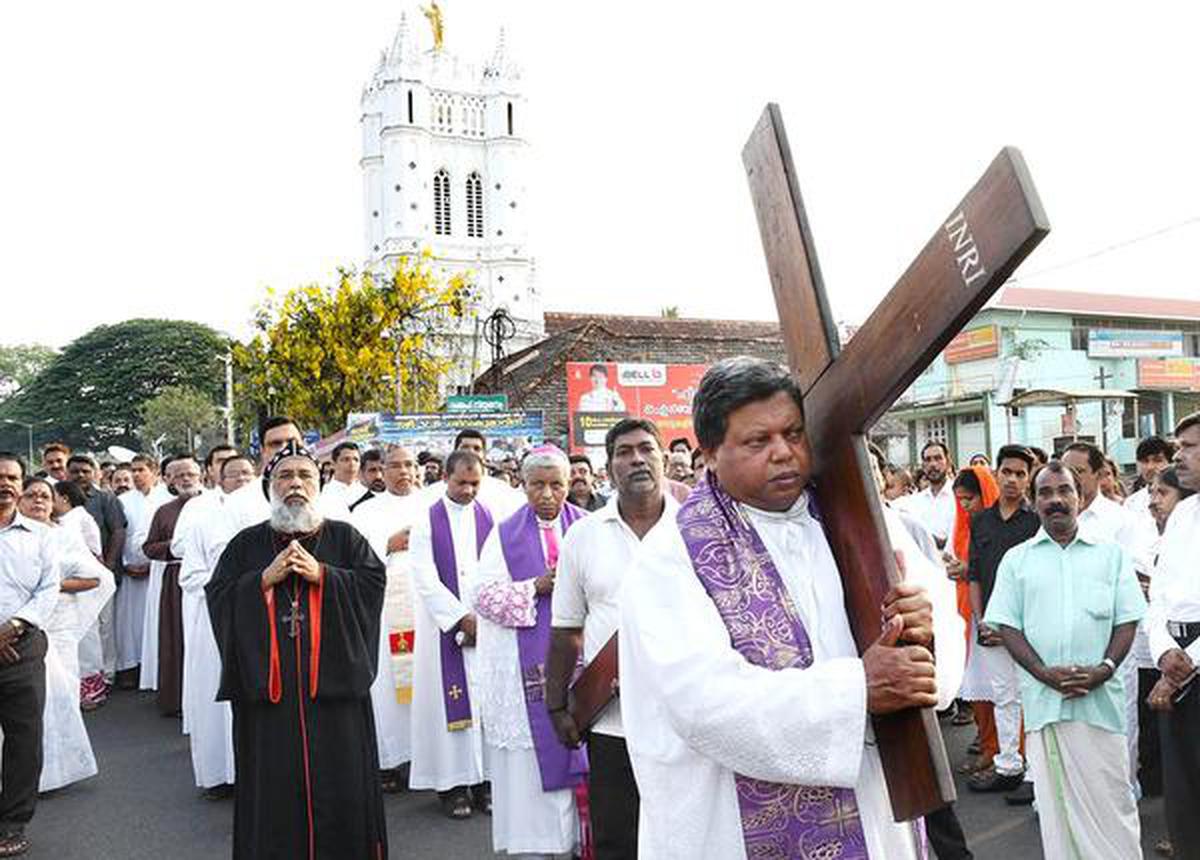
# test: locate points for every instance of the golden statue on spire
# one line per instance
(434, 14)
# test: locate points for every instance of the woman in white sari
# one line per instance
(86, 586)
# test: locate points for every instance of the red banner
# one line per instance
(1177, 374)
(599, 394)
(973, 345)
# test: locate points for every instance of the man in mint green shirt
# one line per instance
(1067, 608)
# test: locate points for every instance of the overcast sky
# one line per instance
(170, 159)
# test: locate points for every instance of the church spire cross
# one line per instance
(971, 254)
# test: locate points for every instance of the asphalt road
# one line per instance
(143, 804)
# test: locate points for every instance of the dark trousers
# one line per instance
(946, 834)
(1179, 734)
(1149, 750)
(613, 796)
(22, 700)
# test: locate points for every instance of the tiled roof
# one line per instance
(684, 327)
(1096, 304)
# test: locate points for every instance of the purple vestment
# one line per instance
(730, 560)
(522, 545)
(454, 670)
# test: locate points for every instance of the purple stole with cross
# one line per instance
(733, 565)
(521, 541)
(454, 670)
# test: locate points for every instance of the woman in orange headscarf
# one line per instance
(975, 490)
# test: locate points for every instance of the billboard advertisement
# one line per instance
(510, 431)
(1111, 343)
(973, 344)
(1172, 374)
(599, 394)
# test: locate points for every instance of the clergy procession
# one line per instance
(557, 517)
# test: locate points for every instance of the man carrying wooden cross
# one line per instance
(755, 641)
(744, 700)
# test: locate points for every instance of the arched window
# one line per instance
(474, 206)
(441, 203)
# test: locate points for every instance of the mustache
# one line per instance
(1057, 509)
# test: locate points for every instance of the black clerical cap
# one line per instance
(291, 448)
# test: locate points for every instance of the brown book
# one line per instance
(595, 687)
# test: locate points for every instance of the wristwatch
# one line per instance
(1112, 666)
(18, 625)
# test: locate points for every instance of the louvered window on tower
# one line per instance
(441, 203)
(474, 206)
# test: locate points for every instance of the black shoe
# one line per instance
(1023, 796)
(990, 781)
(224, 791)
(481, 798)
(456, 803)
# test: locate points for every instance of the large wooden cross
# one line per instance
(974, 250)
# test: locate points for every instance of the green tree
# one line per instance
(669, 312)
(320, 352)
(91, 395)
(181, 417)
(21, 364)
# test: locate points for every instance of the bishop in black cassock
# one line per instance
(295, 603)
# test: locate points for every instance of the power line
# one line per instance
(1108, 249)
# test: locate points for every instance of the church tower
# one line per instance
(443, 160)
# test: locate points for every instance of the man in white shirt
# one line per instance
(344, 484)
(596, 555)
(1153, 454)
(447, 753)
(29, 583)
(744, 700)
(386, 522)
(934, 506)
(1173, 622)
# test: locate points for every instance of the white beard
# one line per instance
(296, 517)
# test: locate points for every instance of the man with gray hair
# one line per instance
(295, 603)
(534, 775)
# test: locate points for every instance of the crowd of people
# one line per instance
(649, 656)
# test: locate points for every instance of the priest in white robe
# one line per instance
(133, 592)
(744, 698)
(447, 748)
(534, 776)
(386, 522)
(209, 722)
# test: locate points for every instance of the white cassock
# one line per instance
(129, 609)
(210, 723)
(525, 818)
(341, 494)
(195, 512)
(696, 712)
(443, 759)
(499, 497)
(377, 520)
(67, 752)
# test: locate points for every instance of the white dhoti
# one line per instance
(129, 617)
(526, 819)
(1086, 808)
(393, 720)
(148, 680)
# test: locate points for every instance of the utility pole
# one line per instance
(229, 398)
(1102, 377)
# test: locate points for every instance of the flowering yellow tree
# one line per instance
(320, 352)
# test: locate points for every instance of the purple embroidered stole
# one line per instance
(522, 545)
(732, 563)
(454, 670)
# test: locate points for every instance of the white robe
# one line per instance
(696, 712)
(194, 513)
(210, 723)
(67, 751)
(91, 647)
(499, 497)
(377, 520)
(129, 609)
(443, 759)
(525, 818)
